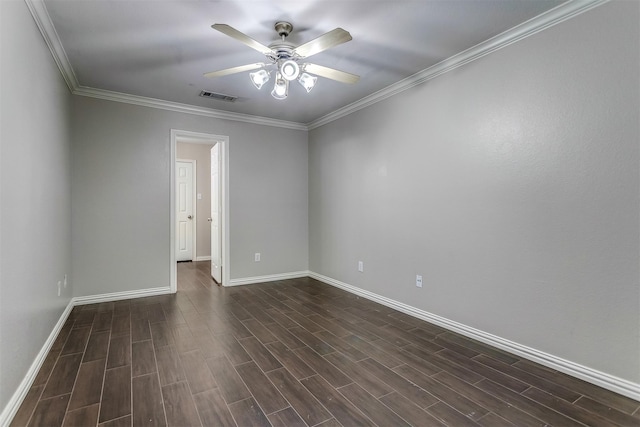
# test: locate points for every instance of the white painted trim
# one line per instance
(43, 21)
(201, 138)
(185, 108)
(194, 209)
(203, 258)
(117, 296)
(268, 278)
(51, 38)
(604, 380)
(16, 400)
(173, 268)
(541, 22)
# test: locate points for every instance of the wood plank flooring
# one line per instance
(291, 353)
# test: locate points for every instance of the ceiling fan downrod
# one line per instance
(283, 28)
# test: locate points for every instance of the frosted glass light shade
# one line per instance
(281, 88)
(307, 81)
(259, 78)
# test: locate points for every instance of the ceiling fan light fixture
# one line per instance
(259, 78)
(307, 81)
(290, 70)
(286, 59)
(281, 88)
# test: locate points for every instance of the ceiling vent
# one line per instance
(219, 96)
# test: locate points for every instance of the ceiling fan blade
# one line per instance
(241, 37)
(331, 73)
(324, 42)
(234, 70)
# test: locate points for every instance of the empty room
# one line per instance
(320, 213)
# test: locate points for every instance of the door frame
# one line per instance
(194, 206)
(208, 139)
(216, 197)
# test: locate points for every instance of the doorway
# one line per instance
(218, 223)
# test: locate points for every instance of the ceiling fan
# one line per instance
(287, 60)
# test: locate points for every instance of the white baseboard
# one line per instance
(268, 278)
(203, 258)
(117, 296)
(604, 380)
(14, 403)
(16, 400)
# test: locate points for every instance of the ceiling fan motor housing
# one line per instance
(281, 50)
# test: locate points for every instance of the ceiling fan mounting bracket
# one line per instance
(283, 28)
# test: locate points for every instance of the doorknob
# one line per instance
(209, 219)
(189, 217)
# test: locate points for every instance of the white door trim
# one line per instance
(200, 138)
(215, 232)
(194, 208)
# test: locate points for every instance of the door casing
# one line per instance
(201, 138)
(214, 224)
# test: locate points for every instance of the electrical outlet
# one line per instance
(59, 288)
(361, 266)
(256, 257)
(64, 283)
(418, 280)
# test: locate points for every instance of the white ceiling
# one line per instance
(160, 48)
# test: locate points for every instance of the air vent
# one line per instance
(219, 96)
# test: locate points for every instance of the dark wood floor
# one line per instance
(291, 353)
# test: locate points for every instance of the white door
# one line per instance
(216, 238)
(184, 211)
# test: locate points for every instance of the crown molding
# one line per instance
(539, 23)
(184, 108)
(50, 35)
(43, 21)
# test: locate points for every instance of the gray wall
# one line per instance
(201, 153)
(511, 184)
(35, 201)
(121, 189)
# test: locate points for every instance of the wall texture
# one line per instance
(511, 184)
(201, 153)
(121, 190)
(35, 194)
